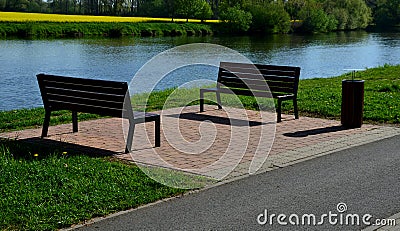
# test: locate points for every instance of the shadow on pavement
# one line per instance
(217, 119)
(316, 131)
(26, 148)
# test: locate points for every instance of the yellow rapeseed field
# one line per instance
(36, 17)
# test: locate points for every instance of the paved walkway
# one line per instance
(221, 144)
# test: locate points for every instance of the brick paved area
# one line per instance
(216, 143)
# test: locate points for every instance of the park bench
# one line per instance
(102, 97)
(251, 79)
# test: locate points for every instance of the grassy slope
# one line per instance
(322, 97)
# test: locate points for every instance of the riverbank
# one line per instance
(318, 97)
(108, 29)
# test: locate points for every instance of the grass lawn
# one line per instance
(322, 97)
(48, 189)
(44, 188)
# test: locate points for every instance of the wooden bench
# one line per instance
(106, 98)
(251, 79)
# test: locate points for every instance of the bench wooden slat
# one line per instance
(275, 91)
(54, 100)
(257, 74)
(104, 111)
(82, 81)
(260, 85)
(268, 77)
(120, 90)
(85, 94)
(255, 68)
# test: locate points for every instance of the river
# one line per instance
(321, 55)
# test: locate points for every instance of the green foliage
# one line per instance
(58, 30)
(316, 20)
(193, 9)
(293, 7)
(235, 20)
(205, 11)
(350, 14)
(311, 15)
(387, 13)
(153, 8)
(270, 18)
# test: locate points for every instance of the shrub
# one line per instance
(270, 18)
(316, 20)
(236, 20)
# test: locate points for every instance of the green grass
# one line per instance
(110, 29)
(48, 189)
(322, 97)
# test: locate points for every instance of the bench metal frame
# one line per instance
(102, 97)
(252, 80)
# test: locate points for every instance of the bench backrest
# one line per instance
(84, 95)
(251, 79)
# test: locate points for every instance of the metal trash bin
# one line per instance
(352, 103)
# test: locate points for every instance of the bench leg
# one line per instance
(296, 111)
(157, 128)
(129, 139)
(46, 123)
(74, 121)
(201, 100)
(219, 100)
(278, 111)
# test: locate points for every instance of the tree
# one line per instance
(188, 8)
(293, 7)
(171, 6)
(205, 11)
(236, 20)
(270, 18)
(316, 20)
(387, 13)
(154, 8)
(350, 14)
(3, 4)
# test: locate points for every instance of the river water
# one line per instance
(322, 55)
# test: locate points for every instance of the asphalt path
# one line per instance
(364, 181)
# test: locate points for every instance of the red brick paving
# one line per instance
(198, 146)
